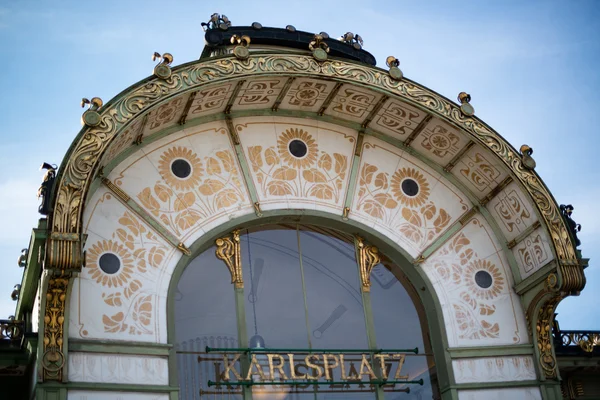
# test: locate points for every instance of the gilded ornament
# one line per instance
(464, 99)
(163, 69)
(91, 117)
(241, 50)
(368, 257)
(547, 357)
(353, 40)
(229, 251)
(53, 359)
(526, 159)
(319, 48)
(217, 21)
(394, 68)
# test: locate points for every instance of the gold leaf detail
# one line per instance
(279, 188)
(210, 186)
(321, 191)
(314, 176)
(285, 174)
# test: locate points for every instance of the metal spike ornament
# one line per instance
(393, 64)
(464, 100)
(91, 117)
(163, 69)
(319, 48)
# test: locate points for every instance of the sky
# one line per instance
(531, 69)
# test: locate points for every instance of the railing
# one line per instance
(586, 340)
(11, 329)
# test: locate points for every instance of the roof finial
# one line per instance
(163, 69)
(217, 21)
(91, 117)
(464, 98)
(352, 39)
(319, 48)
(395, 72)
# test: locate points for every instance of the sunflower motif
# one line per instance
(488, 284)
(306, 144)
(124, 272)
(410, 187)
(180, 168)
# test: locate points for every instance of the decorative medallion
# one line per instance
(180, 168)
(297, 148)
(109, 263)
(484, 279)
(410, 187)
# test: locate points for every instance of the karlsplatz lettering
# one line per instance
(273, 367)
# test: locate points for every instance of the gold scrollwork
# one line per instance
(367, 257)
(228, 250)
(544, 337)
(53, 358)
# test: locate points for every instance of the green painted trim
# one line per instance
(243, 163)
(40, 344)
(100, 387)
(493, 385)
(352, 180)
(107, 346)
(240, 317)
(44, 392)
(31, 276)
(534, 279)
(491, 351)
(430, 303)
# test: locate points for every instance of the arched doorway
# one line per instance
(302, 294)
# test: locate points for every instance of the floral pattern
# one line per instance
(122, 276)
(283, 143)
(212, 186)
(473, 307)
(416, 218)
(180, 153)
(410, 173)
(316, 174)
(141, 254)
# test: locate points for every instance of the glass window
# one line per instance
(301, 291)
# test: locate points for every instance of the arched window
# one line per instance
(302, 294)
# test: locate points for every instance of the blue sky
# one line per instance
(530, 67)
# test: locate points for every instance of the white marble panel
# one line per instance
(381, 201)
(353, 103)
(474, 284)
(315, 180)
(118, 368)
(100, 395)
(120, 303)
(165, 115)
(211, 193)
(512, 210)
(480, 171)
(439, 141)
(494, 369)
(526, 393)
(397, 119)
(533, 252)
(258, 93)
(210, 100)
(307, 94)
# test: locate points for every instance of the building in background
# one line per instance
(281, 219)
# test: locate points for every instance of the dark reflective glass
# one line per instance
(109, 263)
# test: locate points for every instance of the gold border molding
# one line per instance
(53, 359)
(229, 250)
(367, 257)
